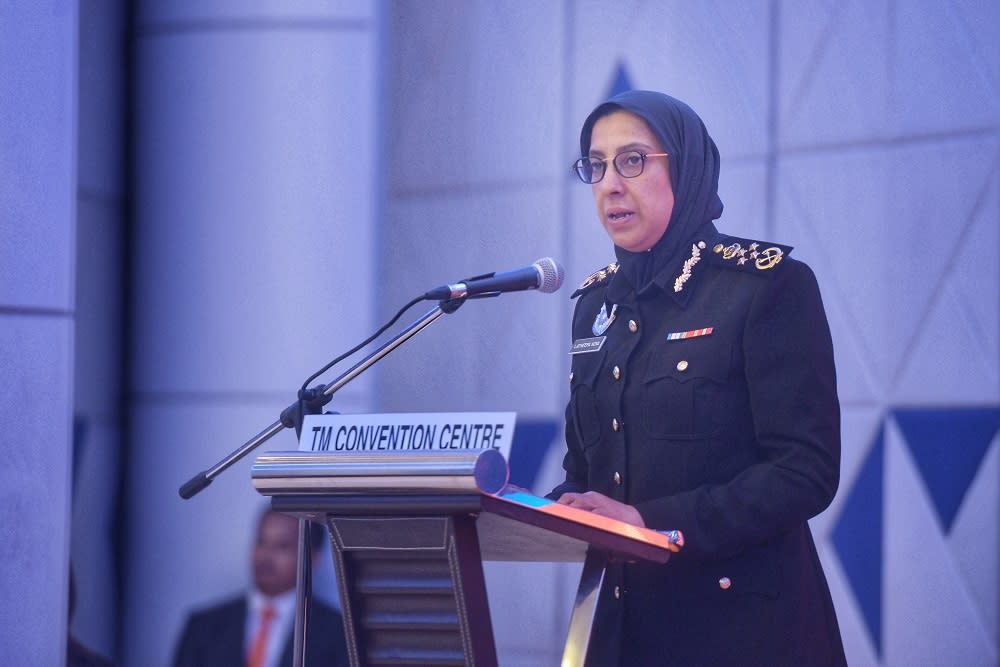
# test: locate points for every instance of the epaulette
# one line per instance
(747, 254)
(595, 278)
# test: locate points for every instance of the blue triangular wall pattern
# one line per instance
(948, 446)
(857, 538)
(622, 82)
(532, 439)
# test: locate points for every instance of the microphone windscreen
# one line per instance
(552, 274)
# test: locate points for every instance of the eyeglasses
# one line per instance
(628, 164)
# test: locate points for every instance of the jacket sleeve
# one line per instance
(792, 388)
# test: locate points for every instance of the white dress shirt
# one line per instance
(281, 626)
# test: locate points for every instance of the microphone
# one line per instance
(546, 274)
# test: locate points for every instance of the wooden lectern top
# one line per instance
(518, 526)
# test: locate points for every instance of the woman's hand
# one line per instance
(514, 488)
(600, 504)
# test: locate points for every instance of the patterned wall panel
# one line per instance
(825, 208)
(948, 193)
(832, 72)
(974, 539)
(713, 55)
(887, 185)
(857, 538)
(929, 616)
(879, 164)
(945, 67)
(744, 193)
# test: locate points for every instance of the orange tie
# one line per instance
(258, 649)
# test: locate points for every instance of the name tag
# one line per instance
(582, 345)
(410, 432)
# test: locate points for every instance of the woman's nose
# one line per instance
(611, 183)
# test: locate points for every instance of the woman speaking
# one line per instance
(704, 399)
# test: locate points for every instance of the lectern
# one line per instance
(409, 532)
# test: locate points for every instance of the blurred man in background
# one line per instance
(256, 629)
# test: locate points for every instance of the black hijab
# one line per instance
(694, 175)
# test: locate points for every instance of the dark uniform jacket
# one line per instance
(709, 403)
(214, 637)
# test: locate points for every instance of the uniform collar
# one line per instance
(681, 271)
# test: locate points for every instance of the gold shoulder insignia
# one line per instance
(749, 255)
(595, 278)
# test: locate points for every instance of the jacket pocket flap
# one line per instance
(687, 362)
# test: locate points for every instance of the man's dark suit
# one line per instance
(213, 637)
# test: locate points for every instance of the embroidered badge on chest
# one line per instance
(603, 320)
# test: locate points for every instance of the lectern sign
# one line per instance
(408, 432)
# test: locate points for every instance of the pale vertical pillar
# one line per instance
(38, 61)
(98, 358)
(255, 218)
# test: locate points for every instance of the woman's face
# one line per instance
(634, 211)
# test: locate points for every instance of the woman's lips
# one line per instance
(618, 216)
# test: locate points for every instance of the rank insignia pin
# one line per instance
(753, 256)
(769, 258)
(603, 320)
(688, 265)
(598, 276)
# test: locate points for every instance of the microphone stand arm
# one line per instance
(445, 307)
(314, 398)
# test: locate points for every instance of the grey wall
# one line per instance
(38, 61)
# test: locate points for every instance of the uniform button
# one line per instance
(618, 478)
(616, 372)
(633, 326)
(682, 365)
(725, 583)
(618, 592)
(571, 376)
(616, 425)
